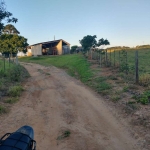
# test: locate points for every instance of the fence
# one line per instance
(7, 60)
(133, 64)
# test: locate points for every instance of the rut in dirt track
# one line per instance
(54, 102)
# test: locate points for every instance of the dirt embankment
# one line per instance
(54, 102)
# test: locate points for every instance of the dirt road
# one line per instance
(54, 102)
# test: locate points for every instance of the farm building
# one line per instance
(56, 47)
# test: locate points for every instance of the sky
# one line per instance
(122, 22)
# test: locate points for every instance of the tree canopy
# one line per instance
(5, 15)
(12, 43)
(89, 42)
(73, 48)
(10, 29)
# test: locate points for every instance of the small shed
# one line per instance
(56, 47)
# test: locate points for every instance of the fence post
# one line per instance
(9, 60)
(4, 62)
(16, 60)
(106, 58)
(119, 59)
(91, 55)
(126, 63)
(100, 59)
(114, 58)
(136, 67)
(110, 57)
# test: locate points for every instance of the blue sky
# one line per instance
(122, 22)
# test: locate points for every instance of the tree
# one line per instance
(73, 48)
(12, 43)
(102, 42)
(88, 42)
(10, 29)
(5, 15)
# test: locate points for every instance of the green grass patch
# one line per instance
(64, 134)
(2, 109)
(116, 98)
(125, 88)
(12, 100)
(103, 86)
(100, 79)
(15, 91)
(144, 61)
(76, 65)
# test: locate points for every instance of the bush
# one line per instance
(103, 86)
(12, 100)
(15, 91)
(2, 109)
(144, 98)
(15, 73)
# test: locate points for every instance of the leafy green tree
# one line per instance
(88, 42)
(73, 48)
(102, 42)
(10, 29)
(12, 43)
(5, 15)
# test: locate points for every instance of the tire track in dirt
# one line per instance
(54, 102)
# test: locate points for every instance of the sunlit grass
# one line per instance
(76, 65)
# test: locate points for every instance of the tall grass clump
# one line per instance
(144, 80)
(2, 109)
(15, 91)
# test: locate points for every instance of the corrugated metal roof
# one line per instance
(48, 42)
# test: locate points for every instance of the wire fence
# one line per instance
(7, 60)
(132, 64)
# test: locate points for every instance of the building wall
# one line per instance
(36, 50)
(21, 54)
(65, 49)
(59, 48)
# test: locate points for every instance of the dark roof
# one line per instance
(48, 42)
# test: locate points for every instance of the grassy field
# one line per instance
(127, 64)
(76, 65)
(144, 61)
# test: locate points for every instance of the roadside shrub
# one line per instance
(103, 86)
(116, 98)
(125, 88)
(100, 79)
(15, 73)
(2, 109)
(144, 80)
(15, 91)
(144, 98)
(12, 100)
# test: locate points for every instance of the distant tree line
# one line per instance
(143, 46)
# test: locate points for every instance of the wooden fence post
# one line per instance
(91, 55)
(126, 63)
(4, 62)
(136, 67)
(106, 58)
(110, 57)
(100, 59)
(114, 58)
(119, 59)
(9, 60)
